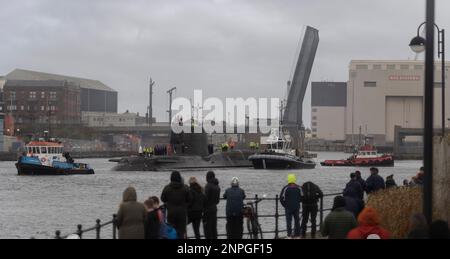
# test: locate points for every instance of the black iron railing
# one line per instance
(79, 233)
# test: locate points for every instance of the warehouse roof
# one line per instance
(37, 83)
(27, 75)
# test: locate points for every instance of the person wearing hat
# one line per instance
(339, 222)
(235, 202)
(369, 226)
(354, 188)
(374, 182)
(290, 199)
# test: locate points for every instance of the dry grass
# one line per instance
(395, 207)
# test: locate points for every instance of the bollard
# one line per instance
(276, 217)
(97, 229)
(114, 226)
(58, 234)
(80, 231)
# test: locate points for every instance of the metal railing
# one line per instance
(276, 216)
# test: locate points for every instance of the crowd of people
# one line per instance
(350, 218)
(194, 204)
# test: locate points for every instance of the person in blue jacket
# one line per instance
(290, 199)
(374, 182)
(235, 202)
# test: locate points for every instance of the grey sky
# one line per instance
(228, 48)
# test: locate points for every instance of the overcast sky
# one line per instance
(228, 48)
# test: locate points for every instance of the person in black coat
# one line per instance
(177, 197)
(195, 209)
(212, 198)
(310, 198)
(374, 182)
(361, 181)
(354, 188)
(235, 202)
(390, 182)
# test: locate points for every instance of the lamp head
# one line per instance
(418, 44)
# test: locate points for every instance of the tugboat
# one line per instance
(366, 156)
(280, 155)
(47, 158)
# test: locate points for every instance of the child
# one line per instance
(153, 220)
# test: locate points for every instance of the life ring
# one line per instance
(43, 160)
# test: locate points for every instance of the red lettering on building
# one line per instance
(404, 78)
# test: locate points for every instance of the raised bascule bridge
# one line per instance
(293, 115)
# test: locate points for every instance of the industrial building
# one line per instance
(328, 102)
(379, 96)
(40, 98)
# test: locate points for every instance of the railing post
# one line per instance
(97, 229)
(58, 234)
(80, 231)
(276, 217)
(256, 205)
(321, 212)
(114, 226)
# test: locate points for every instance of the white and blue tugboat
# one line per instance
(48, 158)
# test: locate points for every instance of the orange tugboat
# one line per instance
(366, 156)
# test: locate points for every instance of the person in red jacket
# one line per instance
(369, 226)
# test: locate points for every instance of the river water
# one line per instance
(36, 206)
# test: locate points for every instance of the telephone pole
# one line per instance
(150, 102)
(170, 92)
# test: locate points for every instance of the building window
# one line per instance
(53, 95)
(314, 130)
(42, 108)
(362, 66)
(314, 135)
(12, 95)
(404, 67)
(314, 110)
(22, 108)
(370, 84)
(314, 118)
(314, 124)
(377, 67)
(42, 95)
(437, 84)
(418, 67)
(391, 67)
(32, 95)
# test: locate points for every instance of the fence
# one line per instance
(276, 217)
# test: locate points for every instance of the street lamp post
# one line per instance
(419, 44)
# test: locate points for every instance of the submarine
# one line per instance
(190, 152)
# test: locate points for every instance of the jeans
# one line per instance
(296, 215)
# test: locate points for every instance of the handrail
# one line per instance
(99, 225)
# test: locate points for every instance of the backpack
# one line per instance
(309, 193)
(167, 231)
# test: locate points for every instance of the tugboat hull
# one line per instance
(279, 162)
(29, 169)
(361, 163)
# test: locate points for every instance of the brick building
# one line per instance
(39, 100)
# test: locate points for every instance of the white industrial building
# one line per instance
(379, 96)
